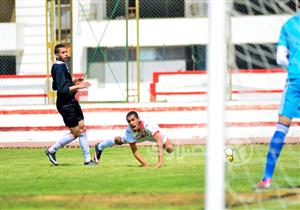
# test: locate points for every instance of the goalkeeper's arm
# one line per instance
(282, 56)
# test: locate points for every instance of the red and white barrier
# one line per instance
(251, 120)
(27, 89)
(250, 84)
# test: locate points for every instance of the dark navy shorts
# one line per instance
(71, 113)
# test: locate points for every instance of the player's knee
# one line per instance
(81, 126)
(82, 130)
(76, 133)
(118, 140)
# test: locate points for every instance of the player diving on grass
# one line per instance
(288, 55)
(136, 132)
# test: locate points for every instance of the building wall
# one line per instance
(32, 59)
(30, 14)
(178, 31)
(170, 32)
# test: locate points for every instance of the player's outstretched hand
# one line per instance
(145, 165)
(158, 165)
(76, 81)
(83, 84)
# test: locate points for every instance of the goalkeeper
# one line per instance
(288, 55)
(136, 132)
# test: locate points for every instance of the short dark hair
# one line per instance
(57, 47)
(132, 113)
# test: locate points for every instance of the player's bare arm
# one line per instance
(138, 155)
(77, 80)
(79, 85)
(160, 149)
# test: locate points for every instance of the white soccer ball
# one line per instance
(229, 153)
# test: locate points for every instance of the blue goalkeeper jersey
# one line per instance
(290, 38)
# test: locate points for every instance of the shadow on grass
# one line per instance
(286, 187)
(132, 201)
(62, 165)
(289, 193)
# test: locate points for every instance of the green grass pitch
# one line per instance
(28, 181)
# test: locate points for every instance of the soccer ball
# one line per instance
(229, 154)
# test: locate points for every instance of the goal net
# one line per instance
(256, 81)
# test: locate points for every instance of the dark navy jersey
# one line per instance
(62, 81)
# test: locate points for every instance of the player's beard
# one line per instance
(65, 59)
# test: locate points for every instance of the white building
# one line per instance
(164, 41)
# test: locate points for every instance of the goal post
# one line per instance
(216, 61)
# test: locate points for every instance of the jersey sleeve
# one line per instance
(282, 56)
(283, 38)
(152, 127)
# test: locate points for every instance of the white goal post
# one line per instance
(216, 61)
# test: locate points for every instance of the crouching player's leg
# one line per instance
(99, 147)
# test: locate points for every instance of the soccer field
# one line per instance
(28, 181)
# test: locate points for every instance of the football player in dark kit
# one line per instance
(68, 106)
